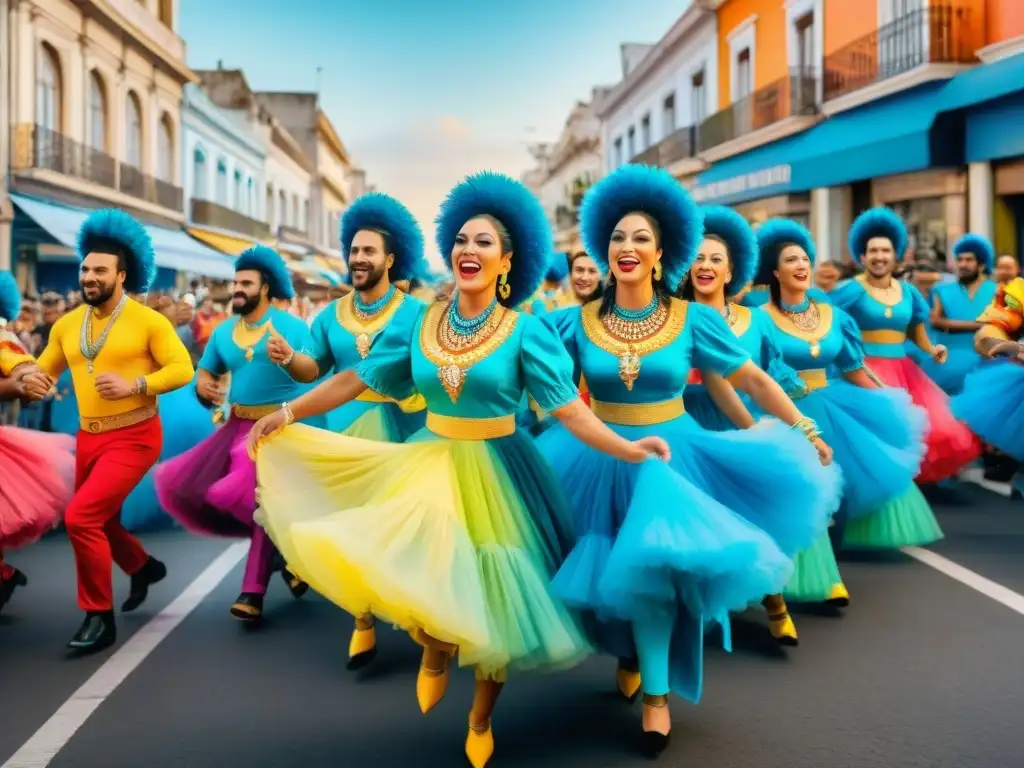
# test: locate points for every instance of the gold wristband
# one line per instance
(289, 415)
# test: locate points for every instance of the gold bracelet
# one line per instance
(808, 427)
(289, 415)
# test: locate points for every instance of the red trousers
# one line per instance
(108, 466)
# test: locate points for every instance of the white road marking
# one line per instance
(56, 732)
(977, 582)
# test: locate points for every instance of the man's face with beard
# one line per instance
(100, 277)
(879, 257)
(368, 263)
(248, 292)
(967, 269)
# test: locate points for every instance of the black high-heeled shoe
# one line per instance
(655, 742)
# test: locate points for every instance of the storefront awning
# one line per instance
(984, 82)
(232, 245)
(885, 137)
(59, 224)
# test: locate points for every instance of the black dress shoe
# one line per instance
(295, 585)
(7, 586)
(148, 575)
(96, 633)
(248, 607)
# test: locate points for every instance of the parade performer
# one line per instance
(585, 278)
(956, 307)
(36, 469)
(455, 534)
(122, 355)
(876, 432)
(211, 488)
(551, 294)
(992, 401)
(888, 312)
(726, 261)
(382, 243)
(669, 549)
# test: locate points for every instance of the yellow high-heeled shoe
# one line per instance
(628, 682)
(780, 623)
(362, 647)
(838, 596)
(479, 744)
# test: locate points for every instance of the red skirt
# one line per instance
(950, 444)
(37, 471)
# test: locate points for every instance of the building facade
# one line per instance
(224, 167)
(667, 90)
(94, 105)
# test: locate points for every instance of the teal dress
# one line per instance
(876, 436)
(755, 333)
(958, 304)
(663, 549)
(458, 531)
(341, 339)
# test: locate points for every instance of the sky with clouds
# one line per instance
(424, 92)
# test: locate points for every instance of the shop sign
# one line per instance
(741, 185)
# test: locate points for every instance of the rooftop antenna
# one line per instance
(319, 71)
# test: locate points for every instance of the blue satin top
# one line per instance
(873, 311)
(835, 345)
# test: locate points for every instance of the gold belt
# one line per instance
(883, 337)
(252, 412)
(460, 428)
(638, 414)
(814, 378)
(412, 404)
(100, 424)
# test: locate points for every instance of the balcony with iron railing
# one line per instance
(794, 95)
(210, 214)
(678, 145)
(942, 33)
(36, 147)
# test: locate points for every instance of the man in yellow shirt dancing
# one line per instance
(121, 355)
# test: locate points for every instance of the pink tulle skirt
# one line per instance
(37, 478)
(950, 444)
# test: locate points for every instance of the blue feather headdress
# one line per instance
(651, 191)
(980, 246)
(378, 211)
(268, 262)
(10, 297)
(771, 237)
(111, 224)
(558, 270)
(508, 201)
(877, 222)
(727, 225)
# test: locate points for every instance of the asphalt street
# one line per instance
(920, 672)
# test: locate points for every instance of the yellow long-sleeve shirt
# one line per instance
(12, 353)
(141, 343)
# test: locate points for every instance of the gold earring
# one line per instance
(657, 271)
(504, 289)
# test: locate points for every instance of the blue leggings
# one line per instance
(653, 637)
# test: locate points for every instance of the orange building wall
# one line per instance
(770, 59)
(846, 21)
(1004, 19)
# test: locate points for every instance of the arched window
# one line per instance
(165, 149)
(250, 197)
(269, 213)
(133, 131)
(296, 222)
(198, 174)
(282, 216)
(239, 192)
(305, 215)
(222, 183)
(97, 112)
(49, 90)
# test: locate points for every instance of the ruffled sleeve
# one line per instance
(772, 361)
(844, 295)
(919, 310)
(715, 347)
(547, 367)
(320, 343)
(388, 367)
(851, 354)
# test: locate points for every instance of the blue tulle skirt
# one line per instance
(703, 409)
(186, 423)
(877, 440)
(707, 533)
(950, 376)
(992, 405)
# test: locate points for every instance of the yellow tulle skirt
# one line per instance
(459, 539)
